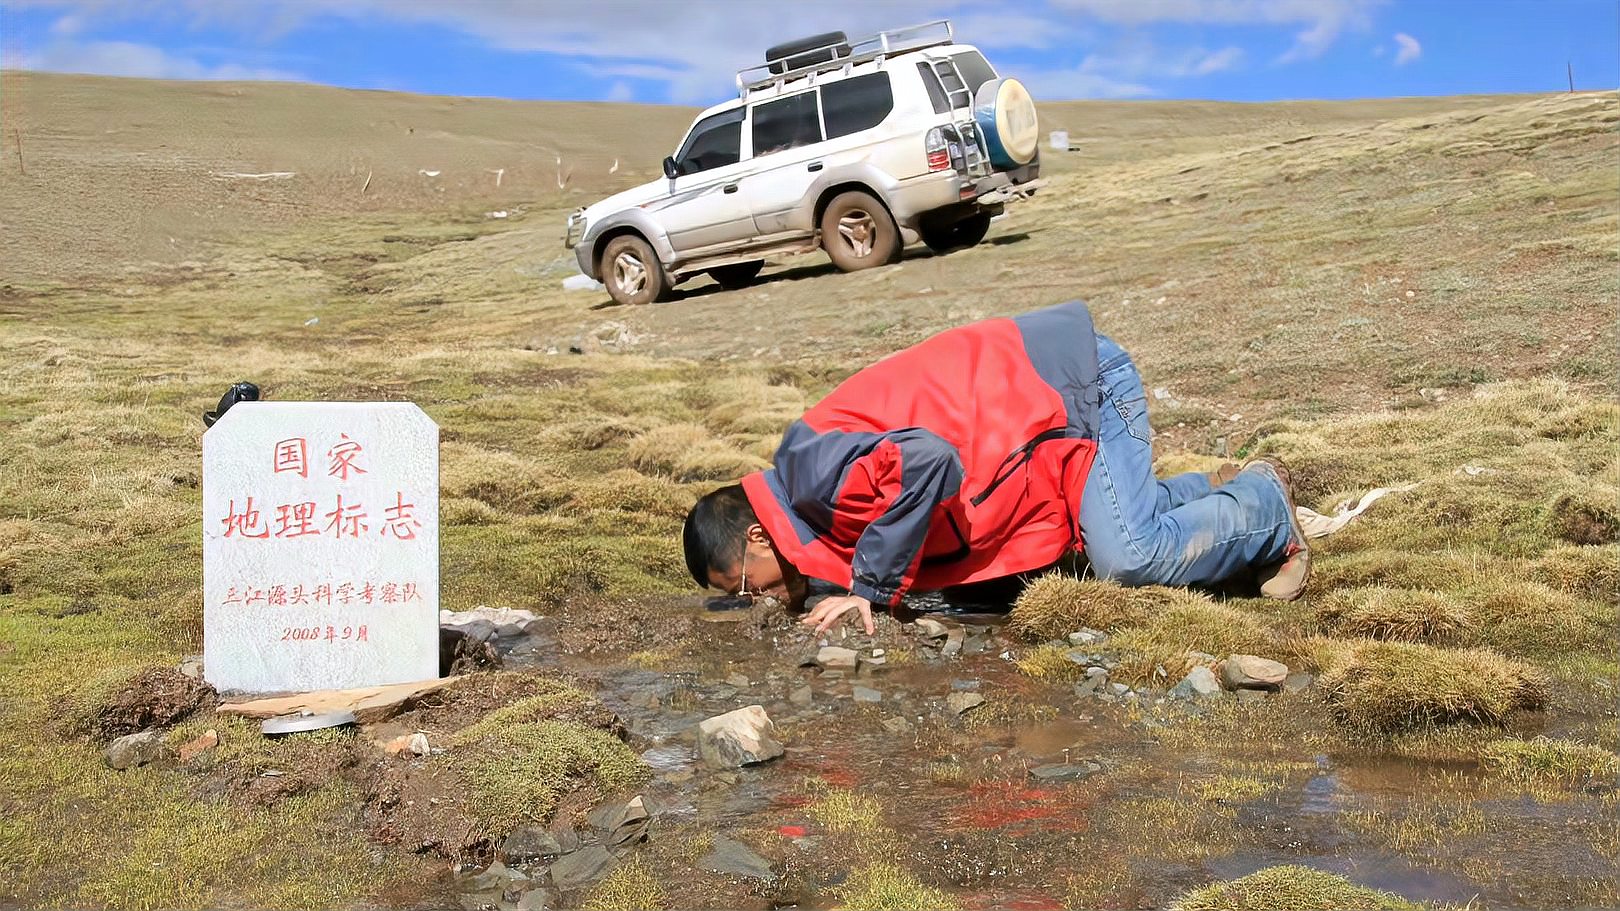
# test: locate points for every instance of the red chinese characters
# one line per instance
(293, 455)
(342, 459)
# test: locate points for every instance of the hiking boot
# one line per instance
(1221, 475)
(1285, 581)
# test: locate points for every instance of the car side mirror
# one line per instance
(670, 169)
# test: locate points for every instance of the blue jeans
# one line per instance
(1138, 530)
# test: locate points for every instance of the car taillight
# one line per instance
(939, 154)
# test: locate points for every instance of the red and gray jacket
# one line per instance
(959, 459)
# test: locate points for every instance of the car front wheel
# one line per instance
(858, 233)
(632, 272)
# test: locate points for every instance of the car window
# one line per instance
(975, 69)
(786, 123)
(714, 142)
(936, 92)
(856, 104)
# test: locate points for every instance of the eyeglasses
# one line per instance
(743, 593)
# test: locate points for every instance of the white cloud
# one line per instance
(621, 91)
(1066, 84)
(125, 58)
(1408, 49)
(1323, 20)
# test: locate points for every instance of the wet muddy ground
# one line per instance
(1042, 796)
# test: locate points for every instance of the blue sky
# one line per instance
(685, 51)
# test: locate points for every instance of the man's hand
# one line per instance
(830, 609)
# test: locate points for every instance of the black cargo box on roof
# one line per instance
(790, 55)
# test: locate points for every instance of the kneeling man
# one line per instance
(988, 450)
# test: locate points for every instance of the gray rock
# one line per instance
(1297, 681)
(1118, 689)
(497, 877)
(741, 737)
(739, 680)
(953, 642)
(802, 695)
(535, 900)
(734, 858)
(1088, 686)
(869, 664)
(191, 666)
(581, 868)
(1087, 636)
(529, 844)
(867, 694)
(621, 823)
(133, 750)
(962, 703)
(897, 726)
(929, 628)
(965, 686)
(1096, 672)
(1065, 771)
(1200, 683)
(1251, 672)
(836, 656)
(1202, 658)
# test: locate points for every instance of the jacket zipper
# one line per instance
(1016, 460)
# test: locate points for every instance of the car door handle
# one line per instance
(814, 166)
(729, 188)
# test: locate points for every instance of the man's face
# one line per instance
(761, 573)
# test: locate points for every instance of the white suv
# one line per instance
(856, 147)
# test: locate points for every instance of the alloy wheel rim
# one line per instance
(629, 274)
(859, 232)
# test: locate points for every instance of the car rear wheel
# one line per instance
(858, 233)
(963, 233)
(736, 275)
(632, 272)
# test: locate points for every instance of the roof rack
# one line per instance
(883, 44)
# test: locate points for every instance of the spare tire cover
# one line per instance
(1005, 113)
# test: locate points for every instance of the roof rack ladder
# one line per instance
(974, 154)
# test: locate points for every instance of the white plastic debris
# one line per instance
(581, 283)
(312, 321)
(1316, 525)
(498, 213)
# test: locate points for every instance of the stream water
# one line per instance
(1042, 798)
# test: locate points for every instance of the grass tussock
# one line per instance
(1397, 614)
(1550, 759)
(1587, 517)
(1173, 827)
(630, 887)
(1592, 573)
(689, 452)
(1527, 618)
(888, 887)
(1295, 888)
(1395, 686)
(1055, 605)
(1234, 788)
(1189, 623)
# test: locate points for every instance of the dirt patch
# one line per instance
(157, 697)
(1584, 521)
(630, 625)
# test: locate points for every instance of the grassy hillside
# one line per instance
(1382, 291)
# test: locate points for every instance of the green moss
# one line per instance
(630, 887)
(1292, 887)
(517, 772)
(888, 887)
(846, 812)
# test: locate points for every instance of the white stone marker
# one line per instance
(320, 546)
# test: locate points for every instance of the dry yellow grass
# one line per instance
(1403, 615)
(1393, 686)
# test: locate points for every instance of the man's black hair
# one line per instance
(715, 530)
